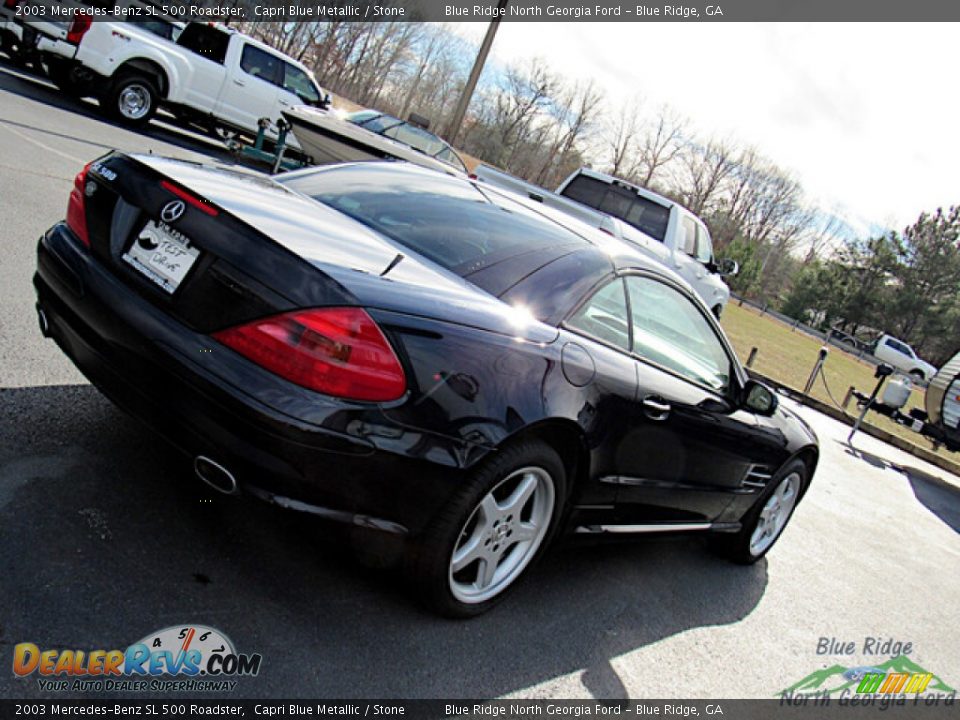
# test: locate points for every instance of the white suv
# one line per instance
(902, 357)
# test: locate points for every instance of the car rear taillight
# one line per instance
(76, 206)
(336, 351)
(78, 28)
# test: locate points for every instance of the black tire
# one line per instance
(429, 558)
(918, 375)
(737, 547)
(717, 311)
(120, 101)
(11, 46)
(61, 75)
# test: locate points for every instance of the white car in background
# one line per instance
(902, 357)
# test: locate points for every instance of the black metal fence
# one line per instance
(858, 352)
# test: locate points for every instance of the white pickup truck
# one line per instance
(657, 226)
(903, 357)
(211, 74)
(44, 42)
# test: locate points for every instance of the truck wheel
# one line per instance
(61, 75)
(132, 99)
(11, 46)
(917, 376)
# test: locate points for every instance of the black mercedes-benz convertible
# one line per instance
(404, 351)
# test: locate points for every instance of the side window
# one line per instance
(704, 246)
(299, 83)
(206, 41)
(688, 236)
(669, 330)
(899, 347)
(260, 64)
(161, 28)
(604, 316)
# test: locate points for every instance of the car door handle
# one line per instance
(285, 103)
(656, 408)
(238, 81)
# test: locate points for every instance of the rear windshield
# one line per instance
(620, 202)
(442, 218)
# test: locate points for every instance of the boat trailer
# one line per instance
(258, 154)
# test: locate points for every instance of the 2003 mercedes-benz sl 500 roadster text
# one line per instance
(407, 352)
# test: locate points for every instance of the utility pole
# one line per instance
(453, 129)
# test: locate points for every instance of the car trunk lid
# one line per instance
(255, 242)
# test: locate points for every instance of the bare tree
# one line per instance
(826, 233)
(574, 110)
(704, 170)
(662, 141)
(618, 138)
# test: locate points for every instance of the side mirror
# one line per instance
(325, 102)
(727, 267)
(759, 398)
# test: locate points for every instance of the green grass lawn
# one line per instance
(788, 356)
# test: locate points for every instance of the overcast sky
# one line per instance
(865, 115)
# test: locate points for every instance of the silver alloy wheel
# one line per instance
(134, 102)
(775, 514)
(502, 535)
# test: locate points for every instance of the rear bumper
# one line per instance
(342, 461)
(43, 38)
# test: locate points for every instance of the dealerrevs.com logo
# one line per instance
(200, 658)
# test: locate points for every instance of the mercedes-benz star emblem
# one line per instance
(172, 211)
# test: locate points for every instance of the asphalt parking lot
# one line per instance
(105, 535)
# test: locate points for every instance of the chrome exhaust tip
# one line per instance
(215, 475)
(44, 323)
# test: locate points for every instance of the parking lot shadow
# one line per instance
(107, 537)
(28, 84)
(939, 497)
